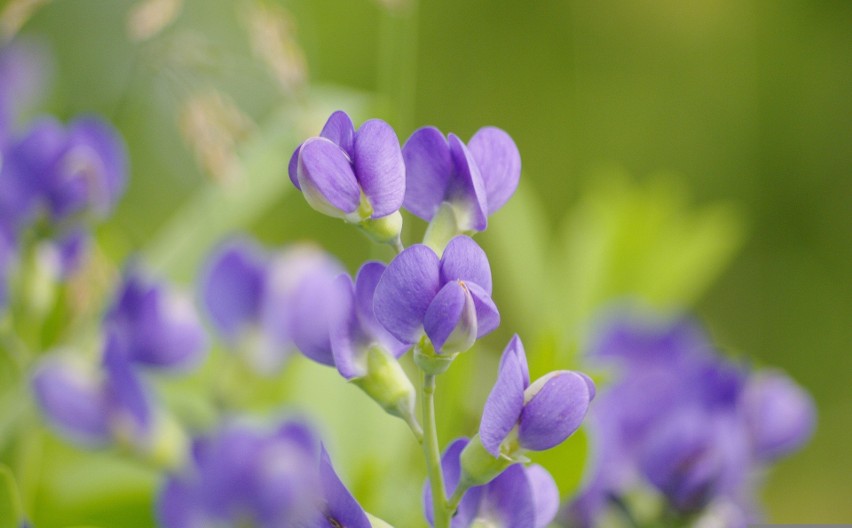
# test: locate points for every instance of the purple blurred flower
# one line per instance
(355, 328)
(684, 419)
(448, 299)
(267, 305)
(520, 497)
(542, 414)
(243, 474)
(94, 408)
(779, 414)
(351, 175)
(63, 171)
(156, 326)
(476, 180)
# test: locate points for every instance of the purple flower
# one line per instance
(65, 171)
(268, 305)
(779, 414)
(351, 175)
(448, 299)
(476, 180)
(693, 458)
(520, 497)
(355, 329)
(156, 326)
(95, 408)
(243, 474)
(542, 414)
(22, 75)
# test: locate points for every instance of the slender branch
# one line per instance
(455, 500)
(432, 452)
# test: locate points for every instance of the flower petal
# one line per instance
(107, 156)
(365, 290)
(340, 131)
(780, 415)
(293, 167)
(451, 466)
(451, 319)
(428, 169)
(326, 178)
(379, 167)
(344, 331)
(232, 287)
(463, 259)
(405, 292)
(508, 500)
(487, 316)
(466, 191)
(556, 409)
(72, 400)
(545, 495)
(341, 505)
(499, 164)
(128, 401)
(505, 403)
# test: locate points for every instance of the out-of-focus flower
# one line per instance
(448, 299)
(63, 171)
(537, 416)
(779, 414)
(95, 408)
(22, 77)
(356, 176)
(156, 326)
(520, 497)
(268, 305)
(474, 180)
(245, 475)
(684, 420)
(8, 253)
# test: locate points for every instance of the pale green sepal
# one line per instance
(375, 522)
(388, 385)
(443, 227)
(479, 467)
(384, 230)
(429, 361)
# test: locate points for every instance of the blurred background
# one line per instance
(697, 156)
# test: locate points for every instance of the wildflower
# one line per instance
(520, 497)
(246, 475)
(447, 299)
(158, 327)
(538, 415)
(357, 176)
(474, 181)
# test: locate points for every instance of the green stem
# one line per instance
(432, 452)
(455, 500)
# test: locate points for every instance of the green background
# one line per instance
(710, 141)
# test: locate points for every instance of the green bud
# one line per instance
(387, 384)
(479, 467)
(430, 361)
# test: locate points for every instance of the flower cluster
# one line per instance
(149, 327)
(53, 178)
(682, 420)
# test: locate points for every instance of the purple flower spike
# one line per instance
(476, 180)
(779, 414)
(545, 412)
(351, 175)
(355, 328)
(156, 327)
(73, 400)
(448, 299)
(520, 497)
